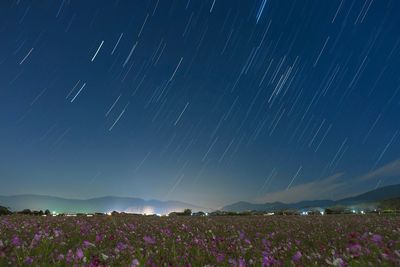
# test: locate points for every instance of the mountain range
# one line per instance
(101, 204)
(368, 198)
(138, 205)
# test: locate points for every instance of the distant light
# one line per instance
(89, 215)
(322, 213)
(353, 211)
(108, 213)
(362, 212)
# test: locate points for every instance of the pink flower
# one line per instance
(16, 241)
(87, 244)
(354, 249)
(95, 262)
(297, 256)
(79, 253)
(57, 232)
(28, 260)
(99, 238)
(70, 256)
(37, 237)
(149, 240)
(121, 246)
(220, 257)
(241, 235)
(269, 261)
(377, 238)
(135, 263)
(339, 262)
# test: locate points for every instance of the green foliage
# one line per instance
(4, 211)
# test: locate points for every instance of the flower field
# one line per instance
(330, 240)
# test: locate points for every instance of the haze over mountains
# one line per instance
(138, 205)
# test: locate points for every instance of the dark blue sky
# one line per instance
(202, 101)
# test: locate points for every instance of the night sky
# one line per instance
(204, 101)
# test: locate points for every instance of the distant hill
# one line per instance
(374, 196)
(386, 192)
(390, 204)
(102, 204)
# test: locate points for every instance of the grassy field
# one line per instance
(330, 240)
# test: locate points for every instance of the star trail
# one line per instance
(203, 101)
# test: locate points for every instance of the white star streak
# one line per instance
(294, 177)
(118, 118)
(83, 86)
(27, 55)
(177, 120)
(98, 49)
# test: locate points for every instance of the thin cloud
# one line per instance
(391, 169)
(320, 189)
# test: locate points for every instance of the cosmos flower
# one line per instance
(149, 240)
(214, 241)
(28, 260)
(377, 238)
(135, 263)
(79, 253)
(354, 249)
(297, 256)
(121, 246)
(16, 241)
(87, 244)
